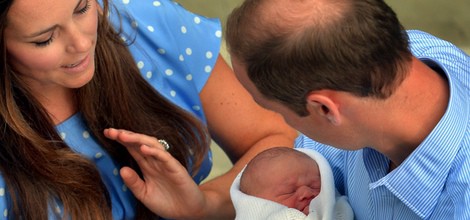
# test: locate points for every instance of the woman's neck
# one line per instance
(60, 105)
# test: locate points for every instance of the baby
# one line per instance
(283, 175)
(286, 183)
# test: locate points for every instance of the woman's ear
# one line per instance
(323, 104)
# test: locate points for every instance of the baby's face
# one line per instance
(292, 183)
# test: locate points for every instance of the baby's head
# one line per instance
(282, 175)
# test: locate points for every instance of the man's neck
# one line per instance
(411, 112)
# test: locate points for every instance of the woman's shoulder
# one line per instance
(174, 49)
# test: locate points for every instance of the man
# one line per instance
(389, 109)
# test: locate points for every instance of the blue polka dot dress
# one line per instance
(175, 51)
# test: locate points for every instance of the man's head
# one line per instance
(288, 49)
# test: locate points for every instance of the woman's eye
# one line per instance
(84, 9)
(44, 43)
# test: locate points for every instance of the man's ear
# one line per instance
(323, 104)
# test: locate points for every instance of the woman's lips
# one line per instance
(79, 66)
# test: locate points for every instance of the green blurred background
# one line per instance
(449, 20)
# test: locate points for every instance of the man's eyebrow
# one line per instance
(52, 27)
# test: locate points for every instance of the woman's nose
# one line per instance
(79, 41)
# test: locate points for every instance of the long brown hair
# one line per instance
(39, 168)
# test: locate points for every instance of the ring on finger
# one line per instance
(164, 144)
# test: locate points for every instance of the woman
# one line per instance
(66, 76)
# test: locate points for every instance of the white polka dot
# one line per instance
(196, 107)
(124, 39)
(150, 28)
(149, 75)
(157, 3)
(115, 172)
(197, 20)
(5, 213)
(57, 210)
(140, 64)
(183, 29)
(98, 155)
(218, 33)
(189, 77)
(208, 69)
(86, 135)
(125, 1)
(169, 72)
(181, 58)
(209, 55)
(189, 51)
(2, 191)
(63, 135)
(124, 188)
(173, 93)
(161, 51)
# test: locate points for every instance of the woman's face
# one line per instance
(51, 43)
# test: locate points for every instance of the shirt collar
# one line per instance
(419, 180)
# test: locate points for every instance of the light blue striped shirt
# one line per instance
(434, 181)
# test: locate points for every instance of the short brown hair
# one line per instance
(290, 48)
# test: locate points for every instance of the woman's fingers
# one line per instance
(162, 176)
(146, 150)
(131, 139)
(133, 182)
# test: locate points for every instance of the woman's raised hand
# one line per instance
(166, 187)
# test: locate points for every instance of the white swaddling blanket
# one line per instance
(328, 205)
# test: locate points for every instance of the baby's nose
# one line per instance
(305, 193)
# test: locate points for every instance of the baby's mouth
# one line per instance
(306, 210)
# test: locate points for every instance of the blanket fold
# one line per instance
(328, 205)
